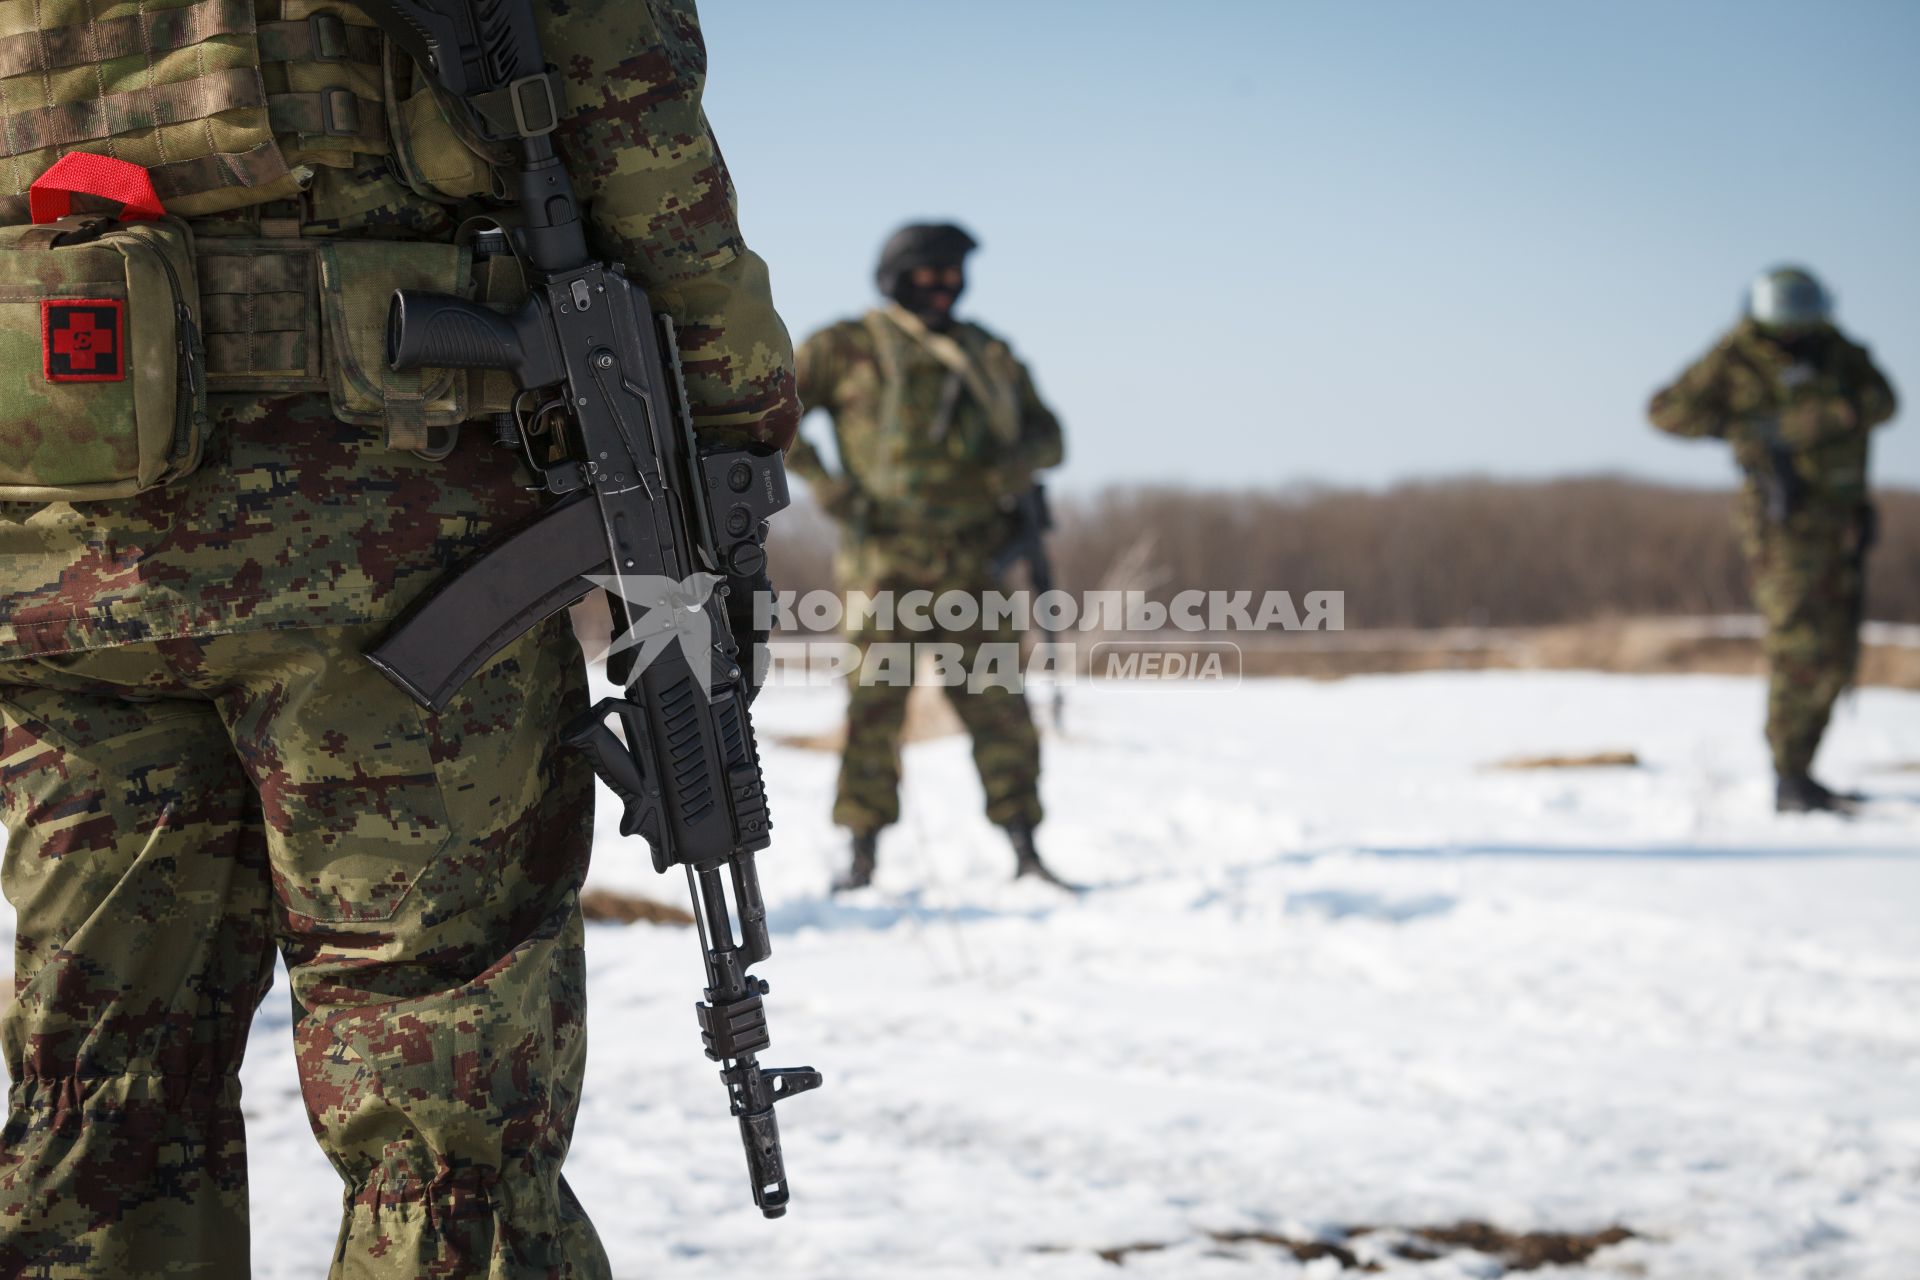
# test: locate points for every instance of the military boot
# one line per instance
(859, 874)
(1799, 793)
(1027, 857)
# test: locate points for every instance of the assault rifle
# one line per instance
(1866, 532)
(603, 419)
(1781, 486)
(1032, 521)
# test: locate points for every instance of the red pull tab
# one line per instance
(83, 173)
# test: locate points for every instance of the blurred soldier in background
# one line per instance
(939, 431)
(1796, 399)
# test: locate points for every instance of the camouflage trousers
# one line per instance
(180, 809)
(1808, 591)
(1006, 747)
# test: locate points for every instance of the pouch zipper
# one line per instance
(186, 345)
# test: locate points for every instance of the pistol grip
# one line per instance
(619, 765)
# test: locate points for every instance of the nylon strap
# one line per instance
(999, 400)
(83, 173)
(321, 38)
(328, 113)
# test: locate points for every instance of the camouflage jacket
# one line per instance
(932, 430)
(295, 520)
(1801, 421)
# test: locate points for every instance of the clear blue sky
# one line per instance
(1265, 241)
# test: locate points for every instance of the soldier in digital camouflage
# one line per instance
(938, 428)
(1797, 400)
(199, 769)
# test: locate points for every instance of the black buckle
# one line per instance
(83, 231)
(327, 33)
(528, 108)
(536, 105)
(340, 113)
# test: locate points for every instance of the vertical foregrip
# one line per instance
(617, 765)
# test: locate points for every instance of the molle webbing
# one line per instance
(115, 115)
(170, 85)
(137, 34)
(260, 314)
(322, 63)
(223, 110)
(306, 313)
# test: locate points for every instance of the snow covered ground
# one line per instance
(1333, 972)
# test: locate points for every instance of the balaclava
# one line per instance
(923, 244)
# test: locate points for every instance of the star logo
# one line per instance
(664, 612)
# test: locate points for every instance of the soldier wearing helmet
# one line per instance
(1797, 400)
(938, 427)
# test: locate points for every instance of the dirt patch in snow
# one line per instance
(605, 906)
(1593, 760)
(1515, 1251)
(1523, 1251)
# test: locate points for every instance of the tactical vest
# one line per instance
(253, 110)
(978, 370)
(226, 103)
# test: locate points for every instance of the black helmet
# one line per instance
(921, 244)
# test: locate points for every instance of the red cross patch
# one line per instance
(84, 339)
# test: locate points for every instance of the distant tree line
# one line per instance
(1463, 552)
